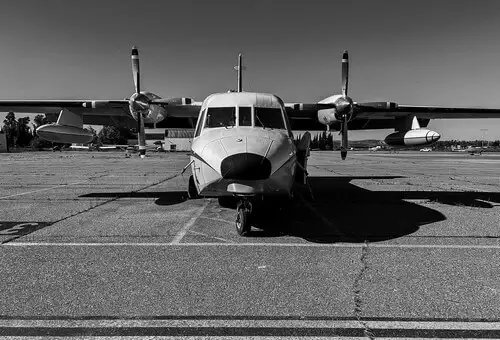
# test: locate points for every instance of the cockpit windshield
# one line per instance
(220, 117)
(268, 117)
(265, 117)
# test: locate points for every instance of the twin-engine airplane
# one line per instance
(243, 145)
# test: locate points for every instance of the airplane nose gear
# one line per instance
(244, 211)
(192, 191)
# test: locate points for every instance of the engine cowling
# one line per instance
(412, 137)
(64, 134)
(328, 116)
(140, 104)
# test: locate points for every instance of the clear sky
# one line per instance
(411, 52)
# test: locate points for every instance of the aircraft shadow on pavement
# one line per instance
(339, 211)
(162, 197)
(343, 212)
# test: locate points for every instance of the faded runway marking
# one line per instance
(39, 190)
(248, 327)
(213, 244)
(249, 322)
(177, 239)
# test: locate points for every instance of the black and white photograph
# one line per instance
(249, 169)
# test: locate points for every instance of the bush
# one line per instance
(38, 143)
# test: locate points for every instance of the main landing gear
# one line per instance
(244, 211)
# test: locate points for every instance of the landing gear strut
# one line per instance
(192, 191)
(244, 210)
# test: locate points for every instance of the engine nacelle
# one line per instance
(412, 137)
(328, 116)
(150, 112)
(64, 134)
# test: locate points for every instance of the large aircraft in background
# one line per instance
(243, 145)
(93, 147)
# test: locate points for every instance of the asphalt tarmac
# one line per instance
(402, 245)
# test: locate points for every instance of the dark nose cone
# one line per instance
(245, 166)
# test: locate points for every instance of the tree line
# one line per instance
(19, 133)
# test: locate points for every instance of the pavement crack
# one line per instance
(358, 302)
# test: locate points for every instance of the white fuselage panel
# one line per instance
(214, 144)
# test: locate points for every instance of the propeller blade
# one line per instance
(141, 136)
(345, 142)
(136, 70)
(345, 73)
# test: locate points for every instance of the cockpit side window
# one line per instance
(200, 123)
(268, 117)
(245, 116)
(220, 117)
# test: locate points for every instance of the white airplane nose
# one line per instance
(434, 136)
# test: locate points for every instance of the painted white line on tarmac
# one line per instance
(45, 189)
(213, 244)
(195, 337)
(177, 239)
(232, 323)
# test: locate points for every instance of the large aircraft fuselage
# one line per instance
(250, 153)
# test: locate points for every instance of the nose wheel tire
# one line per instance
(243, 219)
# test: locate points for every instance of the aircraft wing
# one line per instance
(94, 112)
(179, 107)
(101, 112)
(111, 107)
(388, 110)
(391, 110)
(378, 115)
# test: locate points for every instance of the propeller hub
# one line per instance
(139, 103)
(343, 108)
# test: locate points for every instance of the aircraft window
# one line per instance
(245, 116)
(220, 116)
(269, 118)
(199, 124)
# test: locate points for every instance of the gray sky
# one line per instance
(411, 52)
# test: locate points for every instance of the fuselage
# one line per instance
(243, 145)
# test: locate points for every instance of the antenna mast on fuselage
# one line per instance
(239, 68)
